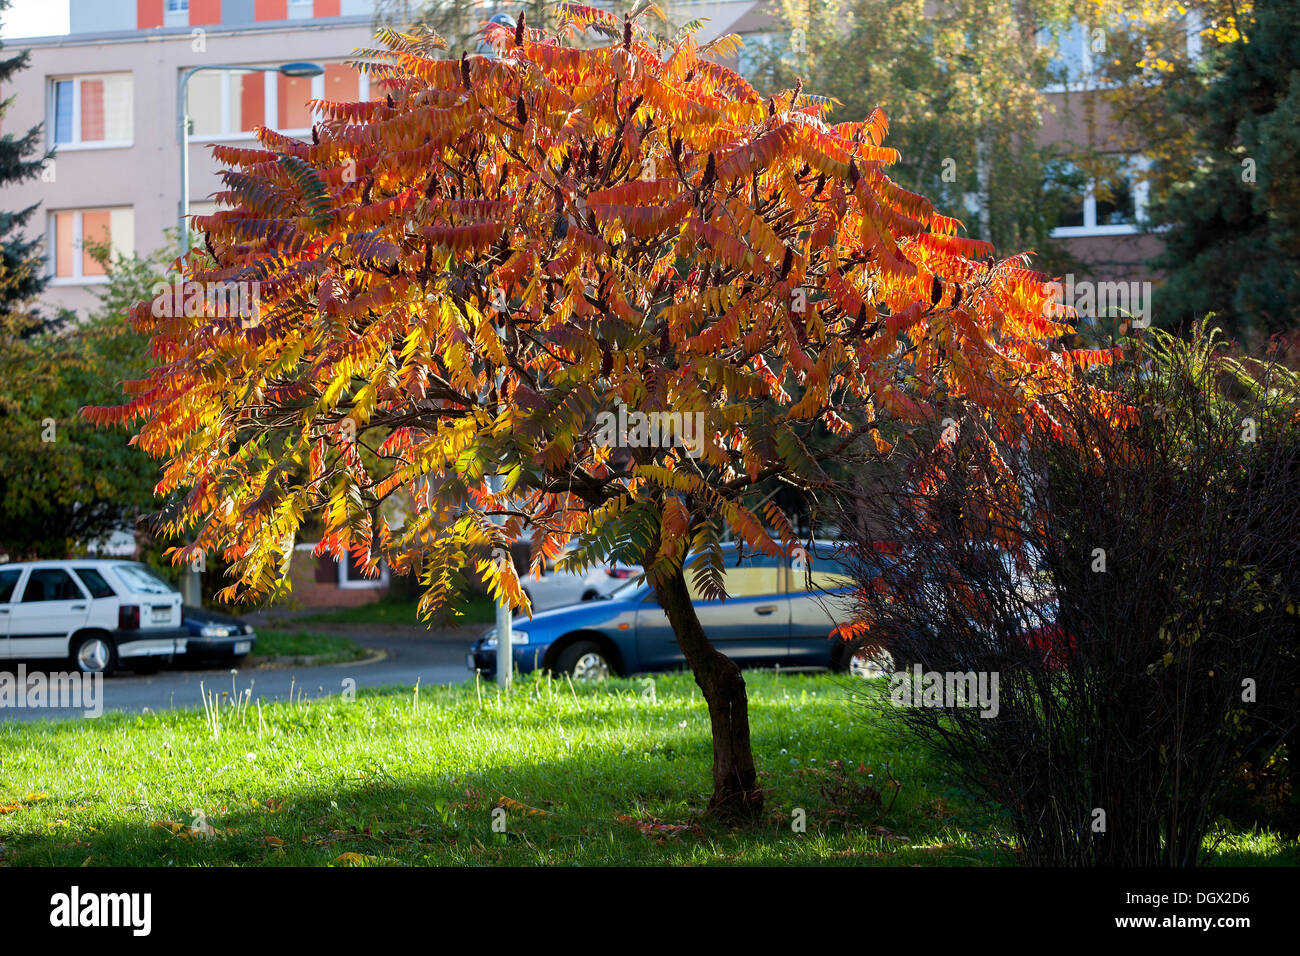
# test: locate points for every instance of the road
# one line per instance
(432, 658)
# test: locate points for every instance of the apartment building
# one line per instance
(107, 93)
(1105, 227)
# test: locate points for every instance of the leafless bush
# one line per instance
(1131, 584)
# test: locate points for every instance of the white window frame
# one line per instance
(51, 243)
(270, 105)
(1141, 195)
(362, 584)
(52, 113)
(1193, 24)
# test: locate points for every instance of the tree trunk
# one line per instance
(736, 795)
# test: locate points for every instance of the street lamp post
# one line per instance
(505, 634)
(183, 124)
(190, 583)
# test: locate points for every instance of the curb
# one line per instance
(280, 663)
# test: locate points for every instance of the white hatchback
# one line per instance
(94, 613)
(558, 586)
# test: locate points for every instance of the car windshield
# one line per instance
(627, 589)
(141, 580)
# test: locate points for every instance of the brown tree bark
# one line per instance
(736, 795)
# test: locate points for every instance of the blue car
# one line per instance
(778, 611)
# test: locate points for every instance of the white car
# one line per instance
(96, 614)
(558, 587)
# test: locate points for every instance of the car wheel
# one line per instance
(585, 661)
(860, 659)
(590, 595)
(94, 654)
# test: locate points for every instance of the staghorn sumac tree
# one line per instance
(457, 278)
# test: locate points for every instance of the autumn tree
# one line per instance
(458, 278)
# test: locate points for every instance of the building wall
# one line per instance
(316, 583)
(144, 176)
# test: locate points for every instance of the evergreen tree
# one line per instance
(21, 158)
(1234, 244)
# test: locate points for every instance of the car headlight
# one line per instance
(214, 630)
(516, 638)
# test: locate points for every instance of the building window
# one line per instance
(233, 103)
(1113, 204)
(70, 261)
(1079, 53)
(91, 111)
(352, 577)
(178, 6)
(762, 50)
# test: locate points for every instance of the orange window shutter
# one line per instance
(92, 111)
(341, 83)
(64, 228)
(252, 100)
(271, 10)
(148, 14)
(94, 228)
(205, 12)
(291, 102)
(325, 8)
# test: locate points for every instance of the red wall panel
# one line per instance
(148, 14)
(271, 10)
(205, 12)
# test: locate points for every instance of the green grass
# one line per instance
(610, 774)
(478, 609)
(323, 648)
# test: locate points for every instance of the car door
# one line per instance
(752, 625)
(9, 578)
(51, 607)
(820, 598)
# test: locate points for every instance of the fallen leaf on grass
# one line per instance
(889, 834)
(355, 859)
(660, 831)
(518, 807)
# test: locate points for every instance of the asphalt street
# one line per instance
(435, 658)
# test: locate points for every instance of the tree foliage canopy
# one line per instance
(459, 277)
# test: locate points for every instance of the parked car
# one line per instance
(216, 637)
(777, 612)
(96, 614)
(558, 586)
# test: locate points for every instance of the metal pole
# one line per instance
(183, 132)
(505, 648)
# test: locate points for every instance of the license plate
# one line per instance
(243, 647)
(161, 615)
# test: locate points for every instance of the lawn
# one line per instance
(321, 648)
(609, 774)
(478, 610)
